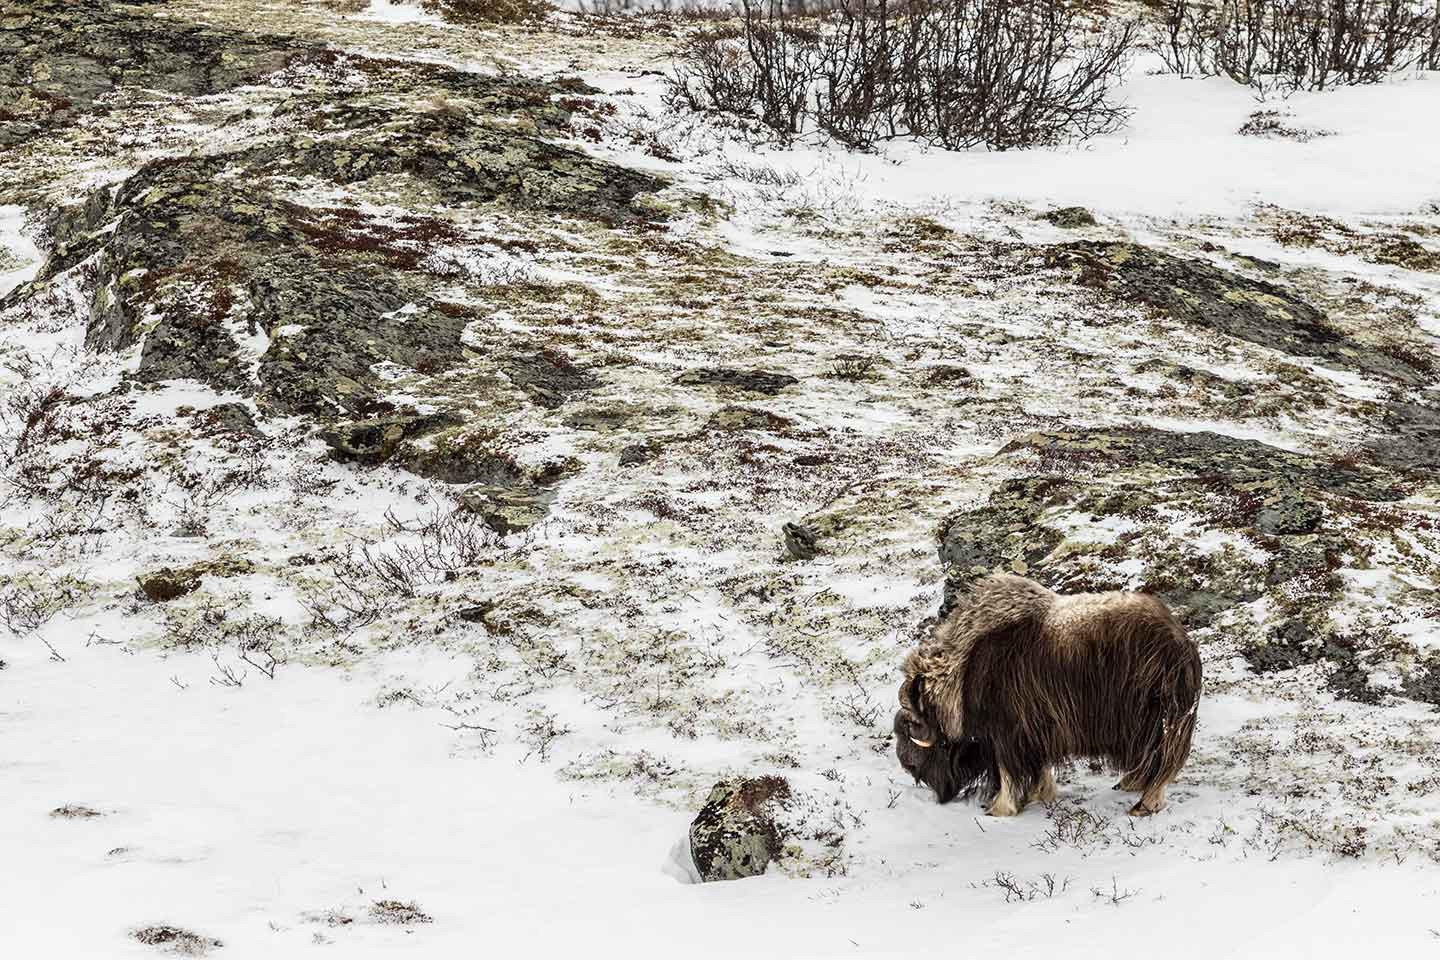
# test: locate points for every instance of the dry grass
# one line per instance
(175, 940)
(396, 912)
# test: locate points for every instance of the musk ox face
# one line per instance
(952, 768)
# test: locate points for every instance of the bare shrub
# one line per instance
(1287, 45)
(713, 72)
(1277, 831)
(260, 641)
(541, 730)
(852, 367)
(1017, 890)
(1018, 73)
(1116, 895)
(35, 411)
(447, 540)
(1271, 123)
(957, 73)
(26, 607)
(1432, 50)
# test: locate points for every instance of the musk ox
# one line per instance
(1017, 678)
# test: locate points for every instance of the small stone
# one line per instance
(476, 613)
(637, 453)
(229, 418)
(508, 510)
(1289, 513)
(373, 442)
(170, 583)
(732, 419)
(799, 541)
(1070, 218)
(166, 584)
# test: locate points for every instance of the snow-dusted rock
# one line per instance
(736, 833)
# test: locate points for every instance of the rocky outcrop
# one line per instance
(220, 274)
(1278, 499)
(58, 57)
(1205, 295)
(764, 382)
(508, 510)
(800, 541)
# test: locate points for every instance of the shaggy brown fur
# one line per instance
(1042, 678)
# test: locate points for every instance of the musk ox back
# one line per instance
(1036, 678)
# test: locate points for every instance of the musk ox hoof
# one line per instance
(1140, 810)
(736, 833)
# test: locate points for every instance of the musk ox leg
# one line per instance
(1004, 804)
(1044, 790)
(1151, 801)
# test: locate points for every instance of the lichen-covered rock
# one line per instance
(1289, 512)
(1257, 311)
(799, 541)
(58, 57)
(735, 418)
(608, 418)
(229, 419)
(737, 832)
(1410, 440)
(1205, 453)
(766, 382)
(374, 441)
(507, 509)
(1275, 499)
(221, 271)
(548, 377)
(170, 583)
(1070, 218)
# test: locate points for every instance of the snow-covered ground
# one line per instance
(1177, 158)
(273, 817)
(526, 783)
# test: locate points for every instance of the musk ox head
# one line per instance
(952, 768)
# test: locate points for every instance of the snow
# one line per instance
(252, 814)
(394, 12)
(1179, 157)
(19, 259)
